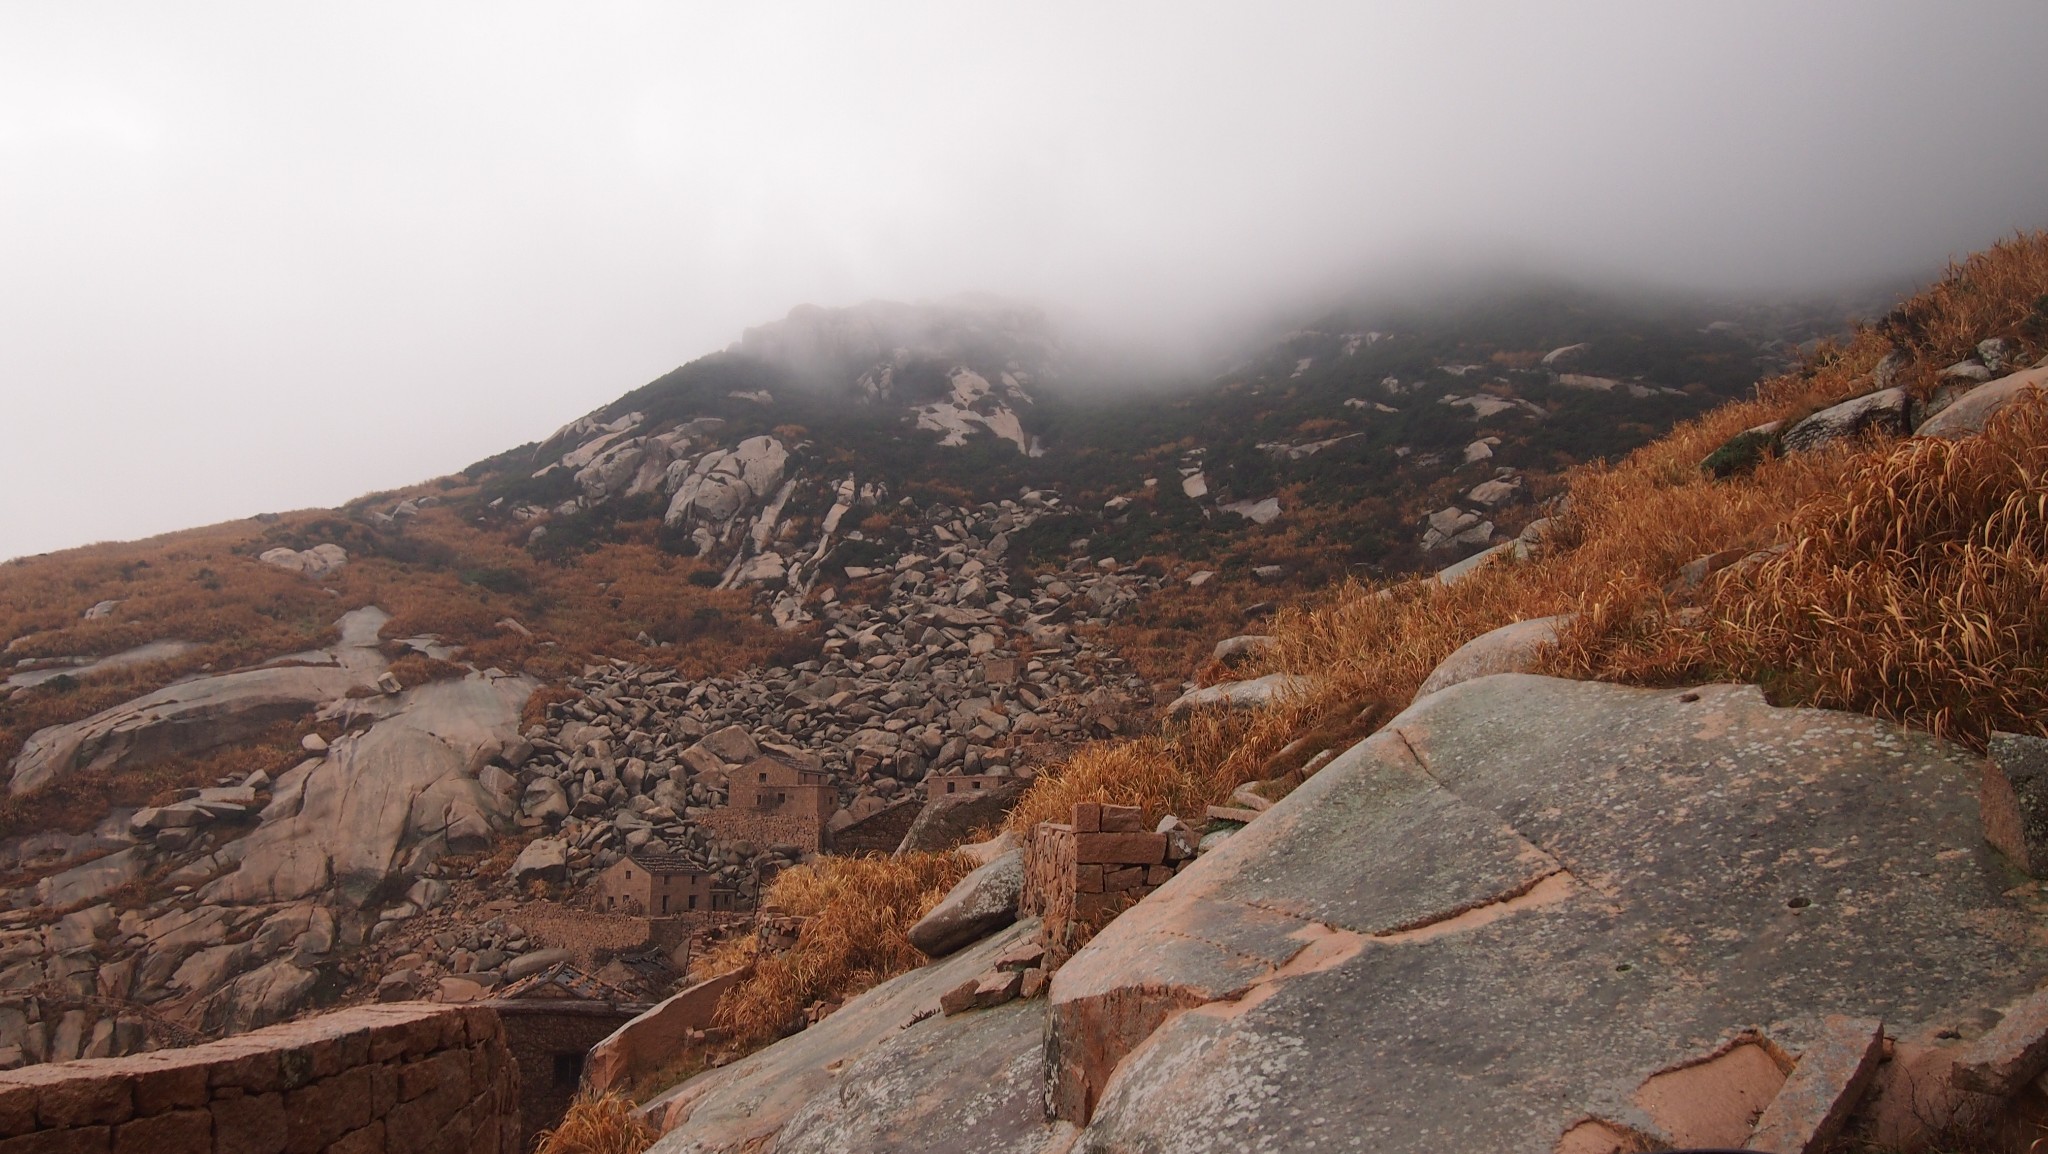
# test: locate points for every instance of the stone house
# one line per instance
(659, 886)
(771, 785)
(956, 784)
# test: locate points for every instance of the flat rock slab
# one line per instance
(966, 1082)
(1522, 901)
(203, 713)
(746, 1104)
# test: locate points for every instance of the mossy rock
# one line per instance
(1741, 453)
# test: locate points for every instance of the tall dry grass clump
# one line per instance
(607, 1125)
(1915, 590)
(858, 913)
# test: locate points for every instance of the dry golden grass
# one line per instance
(1912, 590)
(607, 1125)
(859, 912)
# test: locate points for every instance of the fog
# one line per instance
(270, 256)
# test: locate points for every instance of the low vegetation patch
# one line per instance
(856, 917)
(607, 1125)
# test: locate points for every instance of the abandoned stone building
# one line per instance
(771, 785)
(955, 784)
(658, 886)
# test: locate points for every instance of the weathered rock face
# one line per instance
(948, 820)
(392, 798)
(1509, 649)
(717, 486)
(740, 1106)
(1887, 411)
(984, 901)
(966, 1082)
(1428, 945)
(1969, 413)
(204, 713)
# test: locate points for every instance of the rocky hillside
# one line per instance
(1710, 817)
(383, 750)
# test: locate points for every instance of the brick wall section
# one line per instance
(393, 1079)
(730, 823)
(1079, 874)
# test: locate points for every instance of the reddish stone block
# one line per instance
(250, 1124)
(1823, 1090)
(1118, 880)
(996, 987)
(1158, 875)
(447, 1071)
(368, 1140)
(1033, 984)
(2010, 1055)
(414, 1035)
(343, 1051)
(1088, 878)
(170, 1087)
(1122, 819)
(85, 1100)
(1087, 817)
(320, 1114)
(17, 1110)
(246, 1065)
(76, 1140)
(383, 1089)
(960, 998)
(175, 1132)
(1120, 848)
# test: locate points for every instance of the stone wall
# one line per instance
(730, 823)
(878, 832)
(657, 1036)
(399, 1078)
(550, 1039)
(1081, 873)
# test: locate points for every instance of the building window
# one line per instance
(693, 901)
(664, 903)
(629, 875)
(952, 786)
(568, 1068)
(974, 785)
(764, 779)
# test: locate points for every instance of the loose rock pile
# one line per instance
(936, 662)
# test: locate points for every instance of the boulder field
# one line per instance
(1529, 914)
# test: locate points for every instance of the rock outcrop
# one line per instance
(740, 1106)
(204, 713)
(388, 800)
(1425, 946)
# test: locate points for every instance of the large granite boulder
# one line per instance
(385, 801)
(1508, 649)
(1970, 412)
(746, 1105)
(983, 902)
(1525, 900)
(1887, 411)
(951, 818)
(204, 713)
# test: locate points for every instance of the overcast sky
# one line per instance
(269, 256)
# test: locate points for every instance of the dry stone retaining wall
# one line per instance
(397, 1078)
